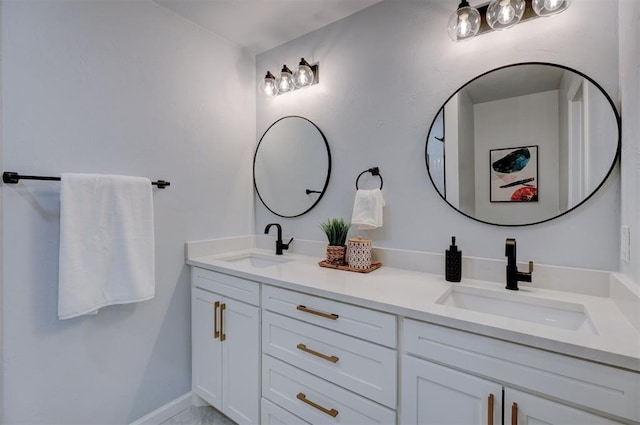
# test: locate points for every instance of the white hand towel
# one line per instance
(107, 248)
(367, 209)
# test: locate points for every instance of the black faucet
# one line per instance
(513, 275)
(279, 244)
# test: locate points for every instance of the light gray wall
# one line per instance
(629, 22)
(385, 72)
(126, 88)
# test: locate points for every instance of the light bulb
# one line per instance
(507, 12)
(284, 81)
(267, 87)
(550, 7)
(464, 28)
(304, 75)
(464, 23)
(552, 4)
(503, 14)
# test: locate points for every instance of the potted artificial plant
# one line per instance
(336, 230)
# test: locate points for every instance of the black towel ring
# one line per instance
(375, 171)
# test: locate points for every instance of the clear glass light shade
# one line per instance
(464, 23)
(267, 86)
(303, 77)
(284, 81)
(550, 7)
(503, 14)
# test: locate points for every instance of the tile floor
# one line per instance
(199, 416)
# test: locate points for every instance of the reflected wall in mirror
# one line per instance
(291, 166)
(565, 114)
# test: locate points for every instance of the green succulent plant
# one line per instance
(336, 230)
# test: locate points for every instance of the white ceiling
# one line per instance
(514, 81)
(260, 25)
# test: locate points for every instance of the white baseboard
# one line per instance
(198, 401)
(167, 411)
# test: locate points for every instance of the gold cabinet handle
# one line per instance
(332, 359)
(223, 336)
(490, 405)
(216, 332)
(514, 414)
(318, 313)
(333, 412)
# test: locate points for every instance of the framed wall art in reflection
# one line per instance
(514, 174)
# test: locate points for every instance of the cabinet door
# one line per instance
(207, 351)
(526, 409)
(240, 335)
(434, 394)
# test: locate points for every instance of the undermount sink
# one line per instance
(259, 261)
(559, 314)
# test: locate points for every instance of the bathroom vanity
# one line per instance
(278, 339)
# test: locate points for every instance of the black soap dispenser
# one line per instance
(453, 263)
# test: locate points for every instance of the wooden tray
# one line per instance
(374, 265)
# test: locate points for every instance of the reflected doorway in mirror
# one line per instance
(514, 174)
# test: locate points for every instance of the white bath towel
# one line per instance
(106, 242)
(367, 209)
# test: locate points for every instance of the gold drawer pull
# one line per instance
(514, 414)
(216, 332)
(333, 412)
(490, 415)
(332, 359)
(318, 313)
(223, 336)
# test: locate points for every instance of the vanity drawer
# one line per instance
(349, 319)
(594, 385)
(316, 400)
(272, 414)
(363, 367)
(230, 286)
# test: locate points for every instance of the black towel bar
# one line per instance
(10, 177)
(375, 171)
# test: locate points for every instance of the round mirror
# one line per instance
(523, 144)
(291, 166)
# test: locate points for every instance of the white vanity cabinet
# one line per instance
(226, 344)
(291, 343)
(326, 361)
(458, 377)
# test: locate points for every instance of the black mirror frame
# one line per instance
(616, 157)
(326, 183)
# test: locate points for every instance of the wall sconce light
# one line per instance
(467, 21)
(284, 81)
(267, 85)
(304, 76)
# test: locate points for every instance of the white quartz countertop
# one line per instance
(614, 340)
